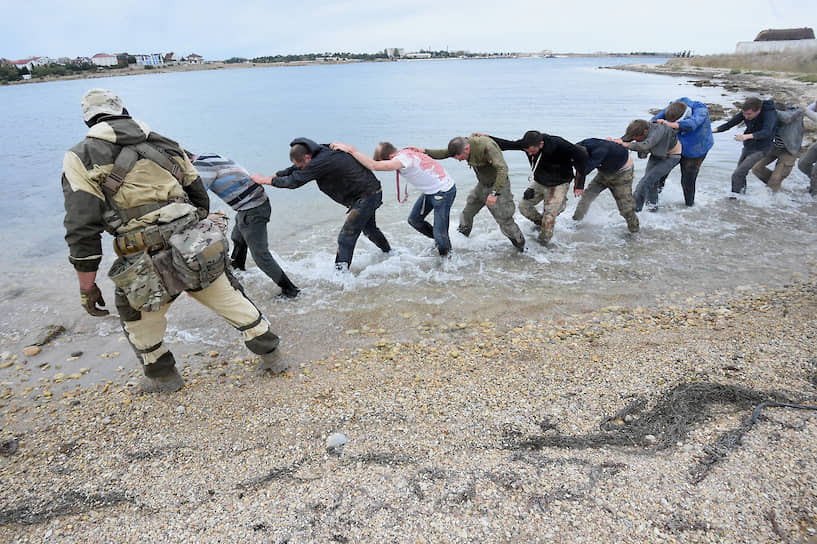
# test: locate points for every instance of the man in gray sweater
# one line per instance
(788, 139)
(661, 143)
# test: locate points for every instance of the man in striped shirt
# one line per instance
(232, 184)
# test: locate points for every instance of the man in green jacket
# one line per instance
(493, 187)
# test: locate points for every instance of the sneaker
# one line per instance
(238, 266)
(290, 291)
(465, 231)
(168, 383)
(273, 362)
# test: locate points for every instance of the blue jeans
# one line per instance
(360, 218)
(647, 189)
(441, 204)
(251, 231)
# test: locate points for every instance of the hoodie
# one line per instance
(694, 128)
(338, 174)
(761, 127)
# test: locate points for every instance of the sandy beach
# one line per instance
(614, 424)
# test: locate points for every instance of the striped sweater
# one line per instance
(229, 181)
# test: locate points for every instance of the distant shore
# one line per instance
(134, 70)
(782, 86)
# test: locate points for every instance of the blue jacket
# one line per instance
(695, 131)
(762, 127)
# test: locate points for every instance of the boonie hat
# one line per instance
(98, 101)
(635, 128)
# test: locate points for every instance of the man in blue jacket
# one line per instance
(342, 179)
(690, 119)
(760, 118)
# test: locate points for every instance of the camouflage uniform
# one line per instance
(150, 200)
(491, 169)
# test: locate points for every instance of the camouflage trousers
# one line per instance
(555, 199)
(620, 184)
(145, 330)
(782, 169)
(502, 212)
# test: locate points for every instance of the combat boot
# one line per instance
(632, 223)
(170, 382)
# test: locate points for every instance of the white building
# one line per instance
(104, 59)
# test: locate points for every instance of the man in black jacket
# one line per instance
(342, 179)
(552, 160)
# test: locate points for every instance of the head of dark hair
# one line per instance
(298, 152)
(383, 151)
(532, 138)
(752, 103)
(674, 111)
(456, 146)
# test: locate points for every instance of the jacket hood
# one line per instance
(769, 105)
(310, 144)
(120, 131)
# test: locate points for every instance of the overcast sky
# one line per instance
(248, 28)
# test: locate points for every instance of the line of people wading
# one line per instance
(150, 194)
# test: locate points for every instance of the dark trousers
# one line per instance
(690, 166)
(360, 218)
(250, 231)
(746, 161)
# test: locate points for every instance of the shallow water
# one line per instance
(251, 115)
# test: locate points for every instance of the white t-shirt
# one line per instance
(423, 172)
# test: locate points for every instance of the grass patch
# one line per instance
(809, 78)
(802, 62)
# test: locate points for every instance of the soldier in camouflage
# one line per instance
(142, 189)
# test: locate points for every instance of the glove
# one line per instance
(89, 300)
(528, 194)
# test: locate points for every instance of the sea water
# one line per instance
(251, 115)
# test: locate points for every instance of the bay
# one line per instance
(251, 115)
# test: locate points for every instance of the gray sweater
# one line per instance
(660, 139)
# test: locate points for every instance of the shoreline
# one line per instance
(782, 86)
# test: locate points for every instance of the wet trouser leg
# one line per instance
(808, 165)
(590, 193)
(783, 167)
(253, 226)
(555, 203)
(745, 163)
(621, 186)
(690, 166)
(145, 330)
(238, 257)
(361, 218)
(647, 188)
(473, 204)
(502, 212)
(532, 196)
(440, 203)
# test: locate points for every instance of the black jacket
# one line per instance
(761, 127)
(554, 163)
(338, 174)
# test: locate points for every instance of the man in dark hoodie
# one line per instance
(141, 188)
(342, 179)
(552, 162)
(760, 118)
